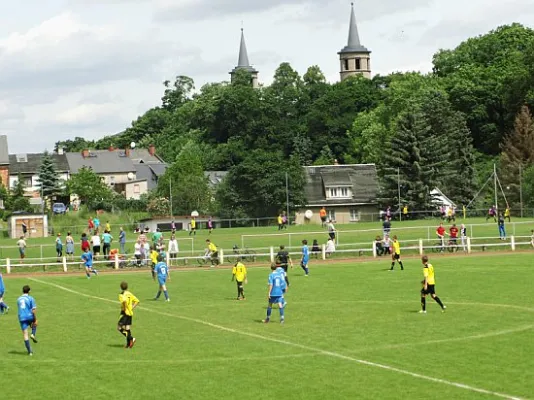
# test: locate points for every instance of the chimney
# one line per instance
(127, 152)
(60, 150)
(85, 153)
(111, 148)
(152, 150)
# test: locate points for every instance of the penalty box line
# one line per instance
(300, 346)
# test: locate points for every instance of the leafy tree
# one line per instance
(17, 201)
(89, 187)
(178, 93)
(159, 206)
(326, 157)
(517, 152)
(49, 183)
(76, 145)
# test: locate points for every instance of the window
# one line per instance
(343, 192)
(354, 215)
(358, 63)
(338, 192)
(333, 192)
(28, 182)
(369, 64)
(136, 189)
(346, 64)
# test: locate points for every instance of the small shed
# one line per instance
(36, 225)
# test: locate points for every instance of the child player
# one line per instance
(27, 317)
(239, 273)
(87, 258)
(277, 286)
(429, 286)
(396, 256)
(305, 257)
(3, 306)
(162, 271)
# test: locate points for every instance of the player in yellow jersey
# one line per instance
(239, 273)
(396, 255)
(128, 303)
(429, 286)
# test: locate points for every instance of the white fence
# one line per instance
(268, 254)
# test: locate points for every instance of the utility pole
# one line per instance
(287, 197)
(170, 194)
(520, 191)
(399, 194)
(495, 187)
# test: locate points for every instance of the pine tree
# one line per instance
(517, 153)
(326, 157)
(48, 177)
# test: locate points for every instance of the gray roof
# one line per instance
(33, 162)
(215, 177)
(150, 173)
(353, 43)
(143, 155)
(4, 152)
(243, 61)
(101, 162)
(362, 179)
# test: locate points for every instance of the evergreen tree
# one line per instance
(49, 184)
(326, 156)
(517, 152)
(17, 201)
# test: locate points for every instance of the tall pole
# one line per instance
(287, 197)
(495, 186)
(170, 194)
(398, 188)
(520, 191)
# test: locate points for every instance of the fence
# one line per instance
(268, 254)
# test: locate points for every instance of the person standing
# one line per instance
(156, 237)
(106, 241)
(21, 244)
(193, 230)
(27, 317)
(95, 240)
(85, 246)
(440, 231)
(280, 222)
(239, 273)
(173, 247)
(162, 271)
(96, 223)
(429, 285)
(386, 227)
(405, 212)
(396, 256)
(284, 260)
(502, 231)
(507, 213)
(122, 241)
(24, 228)
(3, 306)
(128, 303)
(322, 215)
(90, 226)
(463, 237)
(210, 225)
(59, 247)
(277, 287)
(305, 259)
(69, 241)
(108, 227)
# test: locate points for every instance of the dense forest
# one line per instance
(444, 129)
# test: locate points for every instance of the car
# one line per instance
(59, 208)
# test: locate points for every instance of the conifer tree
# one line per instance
(48, 176)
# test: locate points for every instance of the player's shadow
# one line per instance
(115, 345)
(18, 352)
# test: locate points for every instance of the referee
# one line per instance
(283, 259)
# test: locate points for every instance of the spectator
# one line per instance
(280, 222)
(138, 253)
(379, 248)
(22, 248)
(463, 236)
(59, 247)
(507, 213)
(502, 231)
(173, 247)
(95, 241)
(386, 227)
(69, 241)
(108, 227)
(315, 248)
(331, 230)
(106, 239)
(85, 243)
(405, 212)
(440, 231)
(96, 223)
(90, 226)
(122, 241)
(210, 225)
(387, 244)
(322, 214)
(330, 247)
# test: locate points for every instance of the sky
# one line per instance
(89, 68)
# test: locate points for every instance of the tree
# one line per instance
(178, 93)
(185, 178)
(89, 187)
(16, 200)
(326, 157)
(517, 152)
(49, 184)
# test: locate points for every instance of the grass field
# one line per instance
(351, 236)
(352, 331)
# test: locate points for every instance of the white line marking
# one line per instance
(301, 346)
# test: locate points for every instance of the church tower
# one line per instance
(354, 58)
(244, 64)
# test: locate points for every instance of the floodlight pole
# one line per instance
(287, 197)
(495, 185)
(520, 191)
(398, 188)
(170, 195)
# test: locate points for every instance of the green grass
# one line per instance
(353, 236)
(206, 345)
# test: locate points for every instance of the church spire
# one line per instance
(354, 58)
(243, 62)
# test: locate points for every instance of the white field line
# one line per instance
(300, 346)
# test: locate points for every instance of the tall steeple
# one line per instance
(243, 62)
(354, 57)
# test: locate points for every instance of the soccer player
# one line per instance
(212, 252)
(87, 258)
(277, 286)
(27, 317)
(3, 306)
(162, 271)
(429, 284)
(396, 256)
(283, 259)
(128, 303)
(239, 273)
(305, 257)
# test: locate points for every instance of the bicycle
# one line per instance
(206, 259)
(246, 255)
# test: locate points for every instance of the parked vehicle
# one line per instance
(59, 208)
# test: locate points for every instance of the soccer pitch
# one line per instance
(352, 331)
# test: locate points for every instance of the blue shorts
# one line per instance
(89, 266)
(304, 263)
(276, 300)
(26, 324)
(162, 280)
(1, 294)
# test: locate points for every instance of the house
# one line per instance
(129, 171)
(27, 167)
(348, 192)
(4, 165)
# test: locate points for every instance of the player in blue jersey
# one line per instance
(280, 270)
(305, 257)
(27, 317)
(162, 271)
(87, 258)
(277, 287)
(3, 306)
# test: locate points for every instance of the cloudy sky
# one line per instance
(89, 67)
